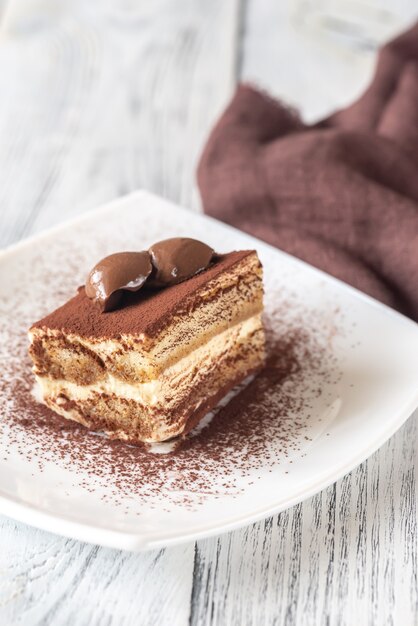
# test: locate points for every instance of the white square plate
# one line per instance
(367, 376)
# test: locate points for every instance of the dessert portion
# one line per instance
(151, 344)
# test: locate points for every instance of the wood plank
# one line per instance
(96, 100)
(99, 100)
(50, 580)
(347, 556)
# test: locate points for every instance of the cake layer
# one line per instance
(148, 412)
(147, 313)
(152, 368)
(58, 352)
(174, 382)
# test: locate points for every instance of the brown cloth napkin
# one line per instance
(342, 194)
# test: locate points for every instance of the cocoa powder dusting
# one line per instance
(59, 467)
(143, 312)
(258, 428)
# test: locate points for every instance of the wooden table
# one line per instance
(98, 99)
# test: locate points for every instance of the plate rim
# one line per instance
(143, 541)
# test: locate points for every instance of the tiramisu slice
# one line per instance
(143, 357)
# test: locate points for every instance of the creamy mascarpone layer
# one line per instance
(174, 382)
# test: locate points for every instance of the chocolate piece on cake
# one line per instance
(151, 369)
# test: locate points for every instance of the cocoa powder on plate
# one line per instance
(258, 428)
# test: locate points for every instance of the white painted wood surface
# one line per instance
(98, 99)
